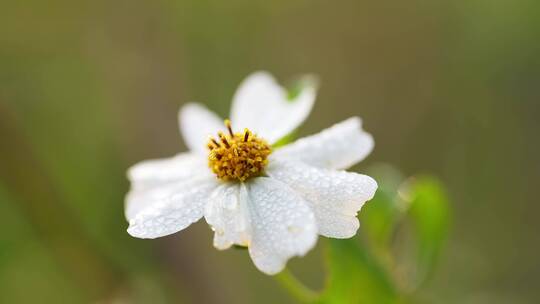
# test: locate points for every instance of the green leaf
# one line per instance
(379, 218)
(430, 216)
(355, 276)
(356, 271)
(380, 215)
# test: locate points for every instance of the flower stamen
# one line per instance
(212, 143)
(228, 125)
(237, 156)
(223, 139)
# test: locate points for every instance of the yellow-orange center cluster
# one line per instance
(237, 156)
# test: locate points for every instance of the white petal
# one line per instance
(139, 199)
(261, 105)
(337, 147)
(283, 224)
(172, 213)
(151, 173)
(335, 196)
(227, 212)
(196, 124)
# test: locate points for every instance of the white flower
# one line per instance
(274, 202)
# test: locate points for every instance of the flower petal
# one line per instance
(172, 213)
(337, 147)
(151, 173)
(196, 124)
(139, 199)
(283, 224)
(335, 196)
(227, 212)
(261, 105)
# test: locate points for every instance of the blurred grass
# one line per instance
(88, 88)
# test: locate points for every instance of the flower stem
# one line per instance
(296, 288)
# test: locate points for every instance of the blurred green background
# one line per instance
(88, 88)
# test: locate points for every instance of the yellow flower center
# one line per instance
(237, 156)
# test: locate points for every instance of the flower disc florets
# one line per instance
(237, 156)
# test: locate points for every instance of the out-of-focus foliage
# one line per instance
(363, 274)
(88, 88)
(381, 215)
(429, 213)
(355, 276)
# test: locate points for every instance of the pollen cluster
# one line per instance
(237, 156)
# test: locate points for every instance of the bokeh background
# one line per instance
(88, 88)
